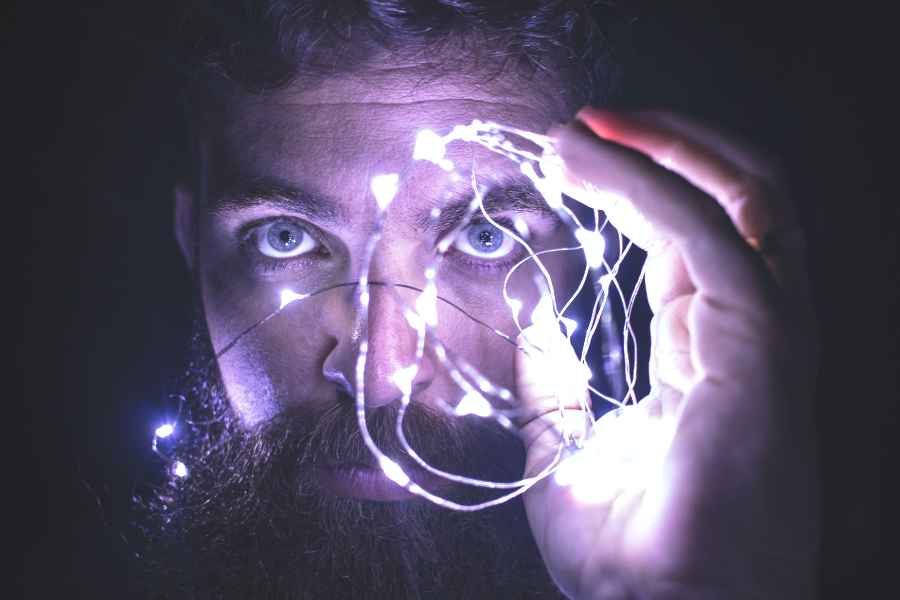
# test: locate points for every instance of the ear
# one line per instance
(184, 222)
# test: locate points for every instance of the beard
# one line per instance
(250, 520)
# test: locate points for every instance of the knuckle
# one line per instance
(744, 190)
(753, 206)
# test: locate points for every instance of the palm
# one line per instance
(729, 512)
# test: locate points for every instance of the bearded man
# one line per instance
(294, 106)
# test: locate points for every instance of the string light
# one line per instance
(618, 450)
(165, 430)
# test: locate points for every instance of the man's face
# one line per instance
(290, 206)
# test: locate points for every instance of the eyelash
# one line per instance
(267, 264)
(274, 265)
(488, 265)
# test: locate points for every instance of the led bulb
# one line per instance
(393, 471)
(384, 188)
(432, 147)
(179, 469)
(593, 244)
(474, 403)
(288, 296)
(404, 377)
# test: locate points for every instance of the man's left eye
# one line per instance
(483, 240)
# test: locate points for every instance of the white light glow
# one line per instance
(432, 147)
(543, 314)
(571, 325)
(384, 188)
(474, 403)
(548, 188)
(393, 471)
(426, 304)
(404, 377)
(516, 306)
(623, 454)
(521, 227)
(179, 469)
(593, 244)
(288, 296)
(600, 458)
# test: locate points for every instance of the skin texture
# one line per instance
(732, 510)
(330, 139)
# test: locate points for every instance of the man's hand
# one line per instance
(732, 509)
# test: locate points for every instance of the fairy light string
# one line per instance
(479, 396)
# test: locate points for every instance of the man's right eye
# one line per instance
(284, 239)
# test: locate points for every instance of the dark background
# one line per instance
(92, 117)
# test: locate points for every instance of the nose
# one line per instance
(390, 343)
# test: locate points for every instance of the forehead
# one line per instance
(335, 134)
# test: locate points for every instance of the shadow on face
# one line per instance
(290, 207)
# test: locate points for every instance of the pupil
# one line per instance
(486, 238)
(282, 238)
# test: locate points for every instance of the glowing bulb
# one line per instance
(403, 379)
(385, 187)
(165, 430)
(593, 244)
(605, 281)
(516, 306)
(288, 296)
(548, 188)
(393, 471)
(543, 314)
(474, 403)
(426, 304)
(521, 227)
(432, 147)
(179, 469)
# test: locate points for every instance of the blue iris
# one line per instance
(485, 238)
(284, 237)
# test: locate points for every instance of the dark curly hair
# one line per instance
(261, 45)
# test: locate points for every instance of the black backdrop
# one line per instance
(91, 115)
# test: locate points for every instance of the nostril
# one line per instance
(338, 378)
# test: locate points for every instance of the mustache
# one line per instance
(333, 436)
(282, 453)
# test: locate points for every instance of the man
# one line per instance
(295, 107)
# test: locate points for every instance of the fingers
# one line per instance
(718, 261)
(732, 148)
(666, 277)
(748, 185)
(726, 169)
(670, 360)
(551, 385)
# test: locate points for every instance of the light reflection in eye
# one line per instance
(483, 240)
(283, 239)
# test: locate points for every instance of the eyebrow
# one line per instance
(243, 193)
(510, 194)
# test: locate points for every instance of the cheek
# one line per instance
(276, 365)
